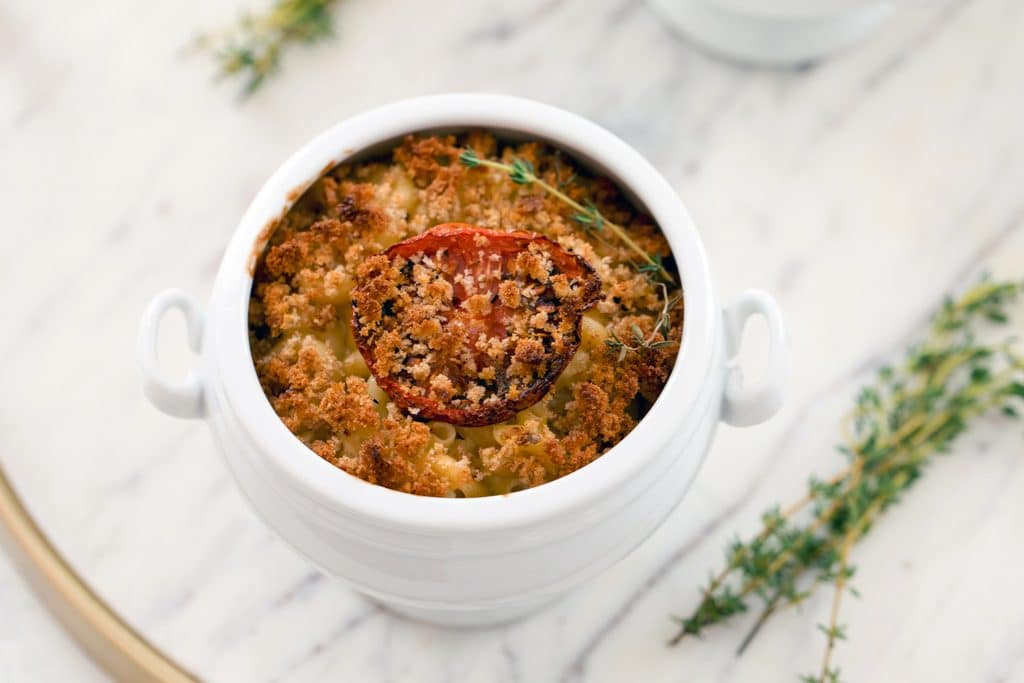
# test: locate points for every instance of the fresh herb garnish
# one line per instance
(586, 214)
(252, 49)
(662, 327)
(912, 411)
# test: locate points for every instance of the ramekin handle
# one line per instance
(179, 398)
(743, 405)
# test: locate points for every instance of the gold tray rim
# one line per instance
(108, 639)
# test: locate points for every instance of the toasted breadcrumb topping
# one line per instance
(304, 346)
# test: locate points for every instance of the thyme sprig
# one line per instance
(912, 411)
(662, 326)
(586, 214)
(252, 48)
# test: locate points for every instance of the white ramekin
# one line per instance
(775, 32)
(475, 560)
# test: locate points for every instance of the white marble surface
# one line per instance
(857, 191)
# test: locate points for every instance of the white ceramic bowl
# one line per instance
(474, 560)
(775, 32)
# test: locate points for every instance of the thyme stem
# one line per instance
(769, 609)
(833, 630)
(523, 174)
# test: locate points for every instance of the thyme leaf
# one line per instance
(662, 326)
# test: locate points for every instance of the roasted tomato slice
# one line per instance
(468, 325)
